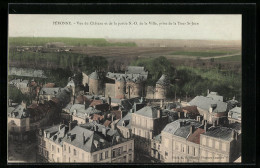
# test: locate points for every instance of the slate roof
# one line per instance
(60, 134)
(206, 102)
(148, 111)
(127, 104)
(163, 80)
(17, 112)
(175, 127)
(235, 113)
(127, 119)
(136, 70)
(81, 111)
(174, 105)
(220, 132)
(94, 75)
(50, 91)
(215, 96)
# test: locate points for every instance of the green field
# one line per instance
(231, 58)
(41, 41)
(210, 53)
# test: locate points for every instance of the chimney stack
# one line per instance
(69, 126)
(205, 125)
(83, 138)
(159, 113)
(192, 129)
(198, 118)
(208, 92)
(161, 103)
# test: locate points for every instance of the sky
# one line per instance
(206, 27)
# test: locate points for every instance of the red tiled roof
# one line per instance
(80, 99)
(195, 137)
(97, 117)
(107, 123)
(33, 106)
(96, 102)
(117, 113)
(49, 85)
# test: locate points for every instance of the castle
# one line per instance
(128, 85)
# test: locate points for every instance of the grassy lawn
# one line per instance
(203, 53)
(40, 41)
(231, 58)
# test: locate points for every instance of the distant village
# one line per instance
(117, 119)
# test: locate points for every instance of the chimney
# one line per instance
(96, 143)
(61, 126)
(69, 126)
(159, 113)
(198, 118)
(192, 129)
(83, 138)
(161, 104)
(208, 92)
(104, 131)
(205, 125)
(210, 109)
(214, 123)
(95, 127)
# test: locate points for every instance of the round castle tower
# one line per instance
(95, 83)
(161, 87)
(120, 88)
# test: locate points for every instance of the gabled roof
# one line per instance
(127, 120)
(206, 102)
(148, 111)
(163, 80)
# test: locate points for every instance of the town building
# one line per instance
(161, 87)
(87, 143)
(234, 115)
(211, 108)
(146, 123)
(18, 122)
(47, 94)
(22, 85)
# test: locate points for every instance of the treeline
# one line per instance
(41, 41)
(187, 82)
(71, 61)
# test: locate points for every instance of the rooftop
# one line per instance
(195, 137)
(206, 102)
(50, 91)
(163, 80)
(215, 96)
(220, 132)
(148, 111)
(126, 121)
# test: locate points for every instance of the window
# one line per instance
(106, 154)
(210, 142)
(75, 152)
(166, 155)
(52, 147)
(58, 150)
(58, 159)
(217, 144)
(64, 147)
(223, 146)
(69, 149)
(130, 157)
(95, 158)
(82, 156)
(114, 153)
(101, 156)
(188, 149)
(130, 147)
(194, 151)
(203, 141)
